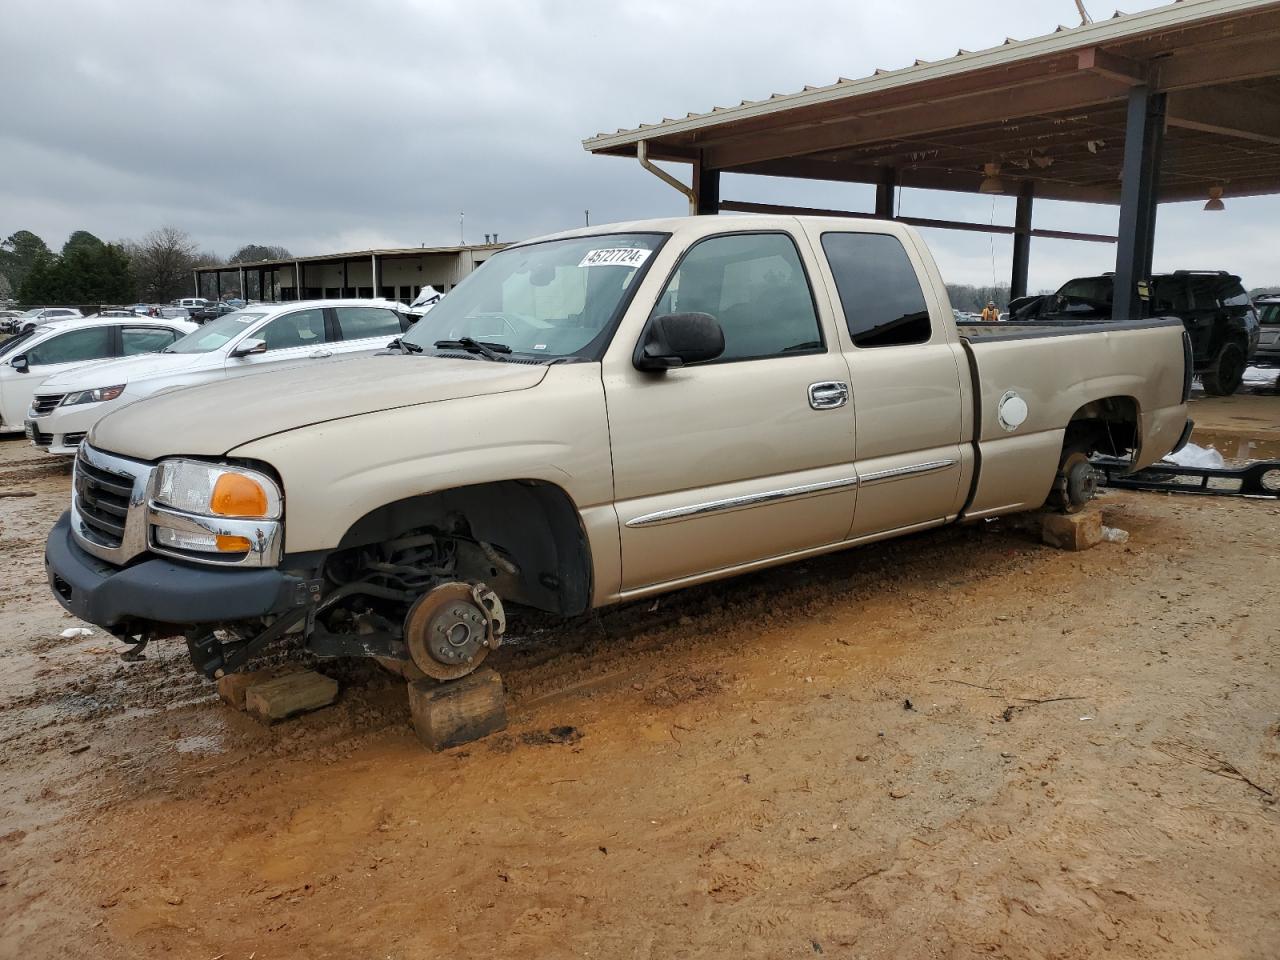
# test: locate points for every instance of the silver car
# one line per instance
(1268, 354)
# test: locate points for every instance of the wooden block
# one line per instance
(448, 714)
(233, 686)
(1072, 531)
(290, 694)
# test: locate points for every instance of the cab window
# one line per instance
(72, 346)
(755, 286)
(880, 294)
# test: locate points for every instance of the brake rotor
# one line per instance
(451, 629)
(1076, 483)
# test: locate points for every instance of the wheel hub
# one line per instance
(451, 629)
(456, 633)
(1082, 483)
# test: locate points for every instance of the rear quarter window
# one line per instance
(883, 303)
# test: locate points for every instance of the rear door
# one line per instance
(366, 328)
(748, 457)
(907, 378)
(145, 339)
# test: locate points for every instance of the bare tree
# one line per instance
(163, 261)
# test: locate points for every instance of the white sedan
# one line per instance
(259, 338)
(71, 345)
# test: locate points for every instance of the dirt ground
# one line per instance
(961, 744)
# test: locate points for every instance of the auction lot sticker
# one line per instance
(615, 257)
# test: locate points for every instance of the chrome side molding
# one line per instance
(733, 503)
(896, 473)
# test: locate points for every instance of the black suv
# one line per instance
(212, 312)
(1212, 305)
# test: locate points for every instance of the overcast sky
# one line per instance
(328, 125)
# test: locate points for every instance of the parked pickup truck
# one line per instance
(590, 418)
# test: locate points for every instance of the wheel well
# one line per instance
(543, 559)
(1109, 425)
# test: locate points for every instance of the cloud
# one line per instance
(322, 125)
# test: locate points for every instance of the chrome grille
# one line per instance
(45, 403)
(102, 500)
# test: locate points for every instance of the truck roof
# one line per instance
(720, 223)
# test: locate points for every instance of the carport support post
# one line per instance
(885, 190)
(217, 285)
(244, 294)
(1021, 240)
(706, 189)
(373, 273)
(297, 280)
(1143, 143)
(195, 282)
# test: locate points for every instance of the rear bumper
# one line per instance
(1185, 437)
(160, 592)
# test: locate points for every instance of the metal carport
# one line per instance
(1180, 102)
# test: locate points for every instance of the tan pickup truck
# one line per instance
(591, 418)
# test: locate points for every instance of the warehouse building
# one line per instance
(396, 274)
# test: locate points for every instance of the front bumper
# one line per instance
(58, 444)
(60, 430)
(1267, 355)
(161, 592)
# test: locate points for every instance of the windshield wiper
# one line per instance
(486, 349)
(404, 346)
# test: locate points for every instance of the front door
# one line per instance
(291, 339)
(46, 358)
(747, 457)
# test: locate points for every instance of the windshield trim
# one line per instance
(594, 349)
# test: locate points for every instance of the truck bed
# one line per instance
(1023, 329)
(1057, 368)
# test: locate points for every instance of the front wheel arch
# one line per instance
(531, 524)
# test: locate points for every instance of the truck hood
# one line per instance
(211, 419)
(127, 369)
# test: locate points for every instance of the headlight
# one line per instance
(96, 395)
(211, 489)
(211, 508)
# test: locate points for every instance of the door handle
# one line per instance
(828, 395)
(320, 354)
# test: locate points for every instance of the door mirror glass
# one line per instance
(249, 347)
(679, 339)
(20, 363)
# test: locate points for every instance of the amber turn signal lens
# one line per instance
(232, 544)
(238, 496)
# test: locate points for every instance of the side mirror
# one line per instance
(678, 339)
(20, 363)
(249, 347)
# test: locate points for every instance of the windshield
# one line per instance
(553, 299)
(34, 312)
(13, 343)
(214, 334)
(1269, 314)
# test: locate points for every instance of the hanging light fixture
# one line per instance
(1215, 200)
(991, 182)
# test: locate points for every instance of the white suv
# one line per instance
(258, 338)
(38, 315)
